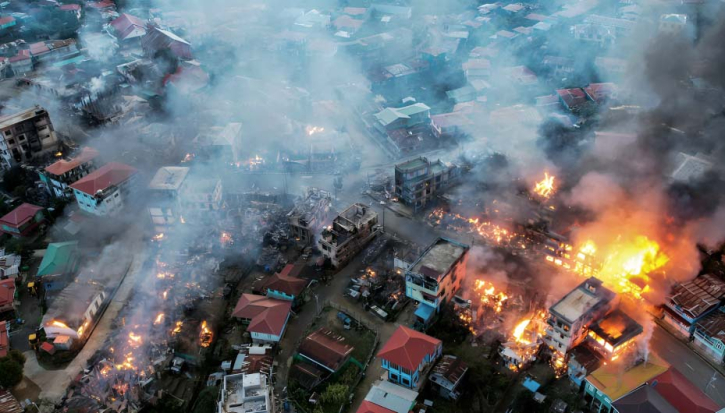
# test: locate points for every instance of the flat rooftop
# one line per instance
(21, 116)
(439, 257)
(582, 299)
(617, 328)
(412, 164)
(169, 178)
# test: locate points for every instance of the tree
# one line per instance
(206, 403)
(11, 372)
(13, 178)
(335, 394)
(17, 356)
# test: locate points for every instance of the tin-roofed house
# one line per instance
(709, 335)
(60, 258)
(447, 375)
(385, 397)
(326, 349)
(23, 221)
(691, 301)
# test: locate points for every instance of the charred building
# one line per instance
(308, 215)
(26, 135)
(354, 228)
(163, 202)
(419, 180)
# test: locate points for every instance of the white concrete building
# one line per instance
(245, 393)
(103, 191)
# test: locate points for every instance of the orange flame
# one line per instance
(60, 324)
(205, 335)
(545, 188)
(159, 318)
(177, 328)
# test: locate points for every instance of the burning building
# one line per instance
(243, 393)
(200, 195)
(164, 205)
(435, 277)
(61, 174)
(104, 191)
(614, 334)
(354, 228)
(25, 135)
(309, 215)
(418, 181)
(447, 375)
(570, 317)
(73, 310)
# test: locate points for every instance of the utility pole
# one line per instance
(711, 381)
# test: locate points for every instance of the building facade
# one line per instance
(104, 191)
(59, 176)
(407, 355)
(419, 180)
(691, 301)
(26, 135)
(354, 228)
(163, 201)
(435, 277)
(570, 317)
(308, 215)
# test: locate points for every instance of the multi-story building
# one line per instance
(23, 221)
(407, 355)
(709, 336)
(419, 180)
(354, 228)
(103, 191)
(61, 174)
(673, 24)
(245, 393)
(570, 317)
(26, 135)
(200, 196)
(435, 277)
(163, 200)
(308, 215)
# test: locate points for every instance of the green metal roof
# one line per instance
(58, 257)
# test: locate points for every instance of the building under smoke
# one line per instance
(60, 175)
(309, 215)
(26, 135)
(354, 228)
(419, 181)
(164, 204)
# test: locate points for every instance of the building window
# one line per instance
(8, 133)
(11, 141)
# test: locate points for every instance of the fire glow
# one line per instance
(205, 335)
(159, 319)
(311, 130)
(488, 295)
(545, 188)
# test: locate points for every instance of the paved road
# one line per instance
(688, 363)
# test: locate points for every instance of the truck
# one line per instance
(346, 320)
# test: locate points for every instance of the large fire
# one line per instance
(545, 188)
(134, 340)
(205, 335)
(488, 295)
(56, 323)
(177, 328)
(624, 266)
(311, 130)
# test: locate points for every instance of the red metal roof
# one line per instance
(408, 348)
(682, 394)
(4, 339)
(572, 97)
(125, 24)
(63, 166)
(47, 347)
(326, 348)
(698, 296)
(6, 20)
(285, 283)
(108, 175)
(22, 55)
(70, 7)
(101, 4)
(267, 315)
(7, 292)
(8, 403)
(20, 215)
(38, 48)
(370, 407)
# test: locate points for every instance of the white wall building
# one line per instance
(104, 191)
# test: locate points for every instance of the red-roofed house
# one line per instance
(572, 98)
(7, 295)
(266, 317)
(128, 27)
(74, 9)
(21, 63)
(347, 24)
(102, 192)
(601, 92)
(682, 394)
(157, 40)
(407, 354)
(4, 339)
(60, 175)
(285, 285)
(23, 220)
(6, 23)
(104, 5)
(326, 349)
(370, 407)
